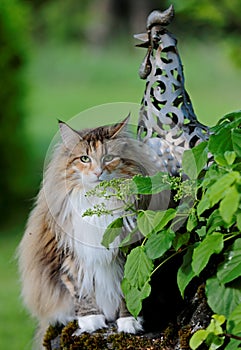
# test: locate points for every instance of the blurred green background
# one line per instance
(59, 58)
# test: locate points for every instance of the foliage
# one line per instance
(97, 23)
(51, 20)
(218, 19)
(212, 335)
(208, 204)
(14, 164)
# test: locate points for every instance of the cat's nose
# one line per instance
(98, 172)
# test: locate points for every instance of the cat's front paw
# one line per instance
(129, 324)
(90, 323)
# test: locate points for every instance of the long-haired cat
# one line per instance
(66, 273)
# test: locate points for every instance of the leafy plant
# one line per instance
(208, 207)
(212, 336)
(16, 176)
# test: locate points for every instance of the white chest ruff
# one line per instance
(100, 270)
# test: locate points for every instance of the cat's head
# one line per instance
(102, 153)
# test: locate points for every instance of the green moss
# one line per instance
(89, 341)
(51, 333)
(103, 339)
(201, 293)
(66, 338)
(169, 337)
(62, 338)
(132, 342)
(69, 341)
(184, 335)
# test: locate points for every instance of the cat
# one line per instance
(66, 273)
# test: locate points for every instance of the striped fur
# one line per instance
(66, 273)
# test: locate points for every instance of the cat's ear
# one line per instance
(117, 128)
(69, 136)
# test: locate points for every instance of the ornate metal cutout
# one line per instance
(167, 121)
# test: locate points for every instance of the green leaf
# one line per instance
(238, 216)
(185, 273)
(212, 174)
(233, 345)
(134, 296)
(146, 221)
(212, 244)
(215, 324)
(201, 231)
(226, 137)
(151, 184)
(229, 204)
(192, 221)
(227, 159)
(180, 240)
(217, 191)
(149, 221)
(159, 243)
(210, 335)
(234, 327)
(223, 299)
(128, 239)
(236, 138)
(220, 142)
(230, 157)
(138, 267)
(198, 338)
(234, 321)
(220, 159)
(215, 221)
(214, 341)
(113, 230)
(194, 160)
(165, 217)
(231, 267)
(203, 205)
(229, 121)
(219, 320)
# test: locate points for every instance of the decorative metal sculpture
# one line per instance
(167, 120)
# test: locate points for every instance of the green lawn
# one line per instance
(66, 81)
(17, 328)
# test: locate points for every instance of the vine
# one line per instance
(207, 197)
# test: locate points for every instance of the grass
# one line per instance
(17, 328)
(64, 81)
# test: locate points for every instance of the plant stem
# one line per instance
(167, 259)
(232, 236)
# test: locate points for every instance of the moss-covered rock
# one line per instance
(176, 335)
(103, 339)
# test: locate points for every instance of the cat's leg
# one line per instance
(127, 323)
(87, 314)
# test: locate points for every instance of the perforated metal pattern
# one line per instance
(167, 120)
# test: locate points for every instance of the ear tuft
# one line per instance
(69, 136)
(117, 128)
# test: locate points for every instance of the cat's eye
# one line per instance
(85, 159)
(108, 158)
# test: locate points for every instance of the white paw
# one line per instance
(90, 323)
(129, 324)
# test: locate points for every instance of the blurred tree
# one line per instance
(15, 165)
(99, 22)
(59, 20)
(94, 21)
(216, 19)
(118, 17)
